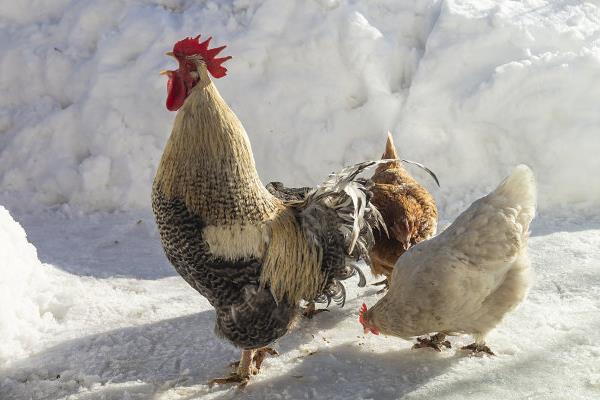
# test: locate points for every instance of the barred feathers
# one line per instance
(317, 244)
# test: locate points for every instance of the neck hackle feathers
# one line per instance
(192, 46)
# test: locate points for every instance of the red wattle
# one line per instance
(176, 92)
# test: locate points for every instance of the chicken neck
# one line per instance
(386, 316)
(208, 162)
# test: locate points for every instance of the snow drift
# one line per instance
(470, 88)
(30, 299)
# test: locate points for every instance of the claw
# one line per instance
(478, 349)
(436, 342)
(385, 283)
(232, 378)
(362, 281)
(258, 359)
(261, 354)
(248, 365)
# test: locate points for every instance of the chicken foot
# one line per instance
(478, 349)
(258, 358)
(436, 342)
(385, 283)
(382, 266)
(242, 372)
(261, 354)
(249, 365)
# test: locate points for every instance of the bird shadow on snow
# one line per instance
(544, 225)
(127, 244)
(104, 245)
(134, 360)
(177, 357)
(347, 372)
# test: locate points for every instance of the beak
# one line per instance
(164, 72)
(366, 330)
(170, 54)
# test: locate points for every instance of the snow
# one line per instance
(28, 305)
(469, 88)
(149, 334)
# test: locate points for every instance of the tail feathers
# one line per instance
(519, 191)
(391, 155)
(338, 219)
(349, 197)
(283, 193)
(390, 149)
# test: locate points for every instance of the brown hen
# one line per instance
(407, 208)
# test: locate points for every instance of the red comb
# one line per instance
(192, 46)
(361, 314)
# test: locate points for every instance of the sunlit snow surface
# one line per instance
(470, 88)
(147, 333)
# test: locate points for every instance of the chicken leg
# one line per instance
(249, 365)
(382, 266)
(435, 342)
(242, 372)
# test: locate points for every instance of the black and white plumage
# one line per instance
(254, 256)
(336, 217)
(246, 314)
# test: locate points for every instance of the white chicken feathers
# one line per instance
(468, 277)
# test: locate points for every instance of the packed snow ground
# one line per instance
(470, 88)
(148, 335)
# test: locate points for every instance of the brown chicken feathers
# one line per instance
(407, 208)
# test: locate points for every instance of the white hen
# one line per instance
(468, 277)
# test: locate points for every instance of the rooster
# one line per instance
(407, 208)
(253, 256)
(465, 279)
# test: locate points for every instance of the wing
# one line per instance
(247, 313)
(255, 320)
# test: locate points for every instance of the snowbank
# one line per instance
(29, 296)
(470, 88)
